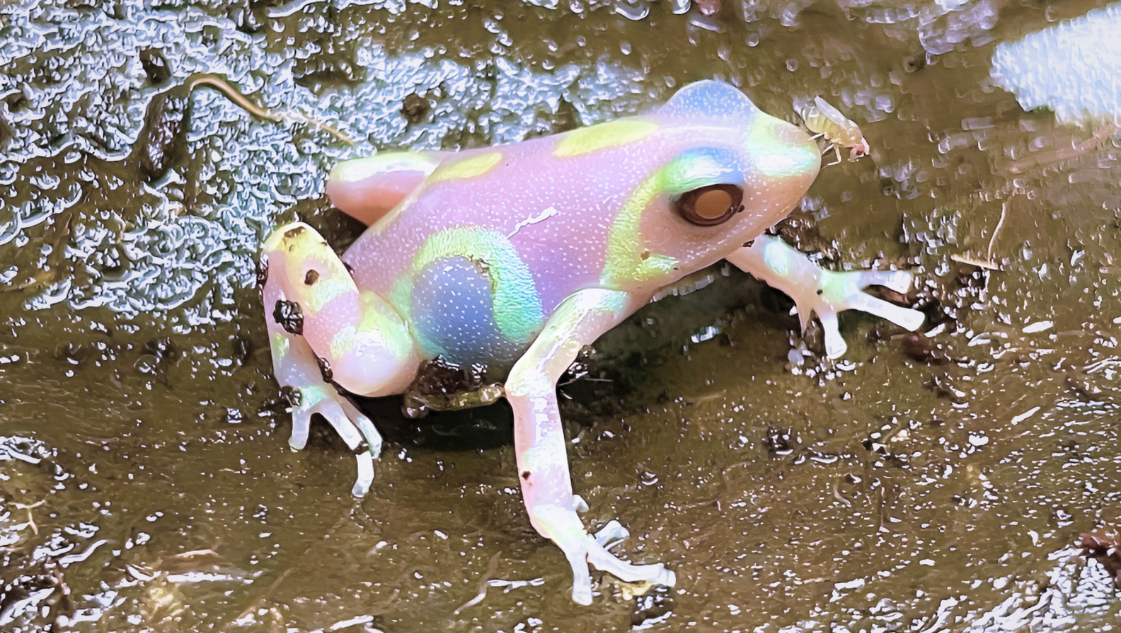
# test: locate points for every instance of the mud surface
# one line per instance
(937, 482)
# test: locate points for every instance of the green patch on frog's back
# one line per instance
(471, 167)
(603, 136)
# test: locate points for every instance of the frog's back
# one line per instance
(481, 254)
(490, 244)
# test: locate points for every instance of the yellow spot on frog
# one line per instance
(382, 322)
(627, 257)
(603, 136)
(300, 243)
(466, 168)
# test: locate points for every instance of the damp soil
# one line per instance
(965, 478)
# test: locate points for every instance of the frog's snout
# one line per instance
(782, 151)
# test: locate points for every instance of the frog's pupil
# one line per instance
(711, 205)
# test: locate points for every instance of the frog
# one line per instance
(516, 257)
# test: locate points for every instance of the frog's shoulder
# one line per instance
(709, 99)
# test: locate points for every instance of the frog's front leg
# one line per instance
(539, 437)
(823, 292)
(325, 333)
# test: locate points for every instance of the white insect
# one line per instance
(825, 120)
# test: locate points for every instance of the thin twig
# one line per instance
(492, 567)
(999, 224)
(973, 261)
(1064, 154)
(233, 94)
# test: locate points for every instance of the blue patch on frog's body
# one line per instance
(453, 314)
(713, 99)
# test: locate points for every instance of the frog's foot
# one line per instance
(368, 188)
(564, 528)
(350, 423)
(842, 291)
(539, 437)
(822, 292)
(295, 367)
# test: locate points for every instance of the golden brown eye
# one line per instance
(711, 205)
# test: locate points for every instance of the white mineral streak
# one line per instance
(1070, 68)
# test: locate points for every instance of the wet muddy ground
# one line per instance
(937, 482)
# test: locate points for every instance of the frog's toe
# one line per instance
(350, 423)
(611, 534)
(608, 562)
(581, 577)
(365, 427)
(906, 318)
(365, 475)
(897, 280)
(301, 424)
(835, 346)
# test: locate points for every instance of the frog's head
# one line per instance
(746, 158)
(726, 171)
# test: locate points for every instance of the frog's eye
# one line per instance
(709, 206)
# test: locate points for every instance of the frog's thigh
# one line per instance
(360, 341)
(822, 292)
(539, 437)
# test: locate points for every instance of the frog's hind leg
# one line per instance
(539, 437)
(325, 334)
(368, 188)
(822, 292)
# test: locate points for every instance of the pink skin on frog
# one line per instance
(517, 256)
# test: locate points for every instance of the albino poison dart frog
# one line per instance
(516, 257)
